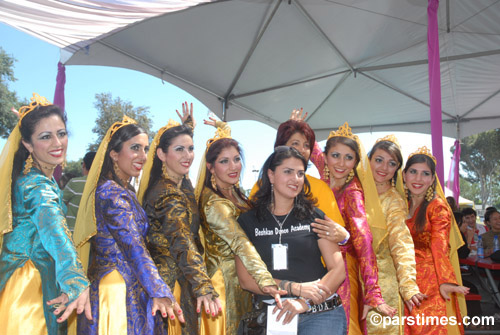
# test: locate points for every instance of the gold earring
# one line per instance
(214, 184)
(393, 182)
(326, 172)
(63, 164)
(237, 185)
(116, 168)
(164, 170)
(28, 164)
(350, 176)
(429, 194)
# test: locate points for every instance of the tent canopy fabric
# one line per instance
(362, 61)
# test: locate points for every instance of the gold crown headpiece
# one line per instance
(171, 124)
(389, 138)
(36, 100)
(219, 133)
(423, 151)
(117, 125)
(343, 131)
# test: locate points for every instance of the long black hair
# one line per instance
(121, 136)
(212, 153)
(393, 150)
(420, 220)
(304, 203)
(166, 140)
(27, 128)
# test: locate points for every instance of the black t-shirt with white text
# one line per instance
(304, 256)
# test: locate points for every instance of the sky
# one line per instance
(36, 70)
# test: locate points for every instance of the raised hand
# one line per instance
(298, 115)
(187, 111)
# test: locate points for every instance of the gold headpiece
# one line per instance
(219, 133)
(117, 125)
(389, 138)
(171, 124)
(36, 101)
(343, 131)
(423, 151)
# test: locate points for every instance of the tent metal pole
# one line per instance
(481, 103)
(448, 16)
(341, 81)
(325, 36)
(277, 87)
(425, 61)
(224, 116)
(252, 49)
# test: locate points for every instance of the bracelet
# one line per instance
(345, 240)
(290, 288)
(282, 284)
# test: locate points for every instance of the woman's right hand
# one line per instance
(166, 308)
(314, 291)
(81, 303)
(186, 113)
(212, 305)
(416, 300)
(211, 122)
(298, 115)
(291, 307)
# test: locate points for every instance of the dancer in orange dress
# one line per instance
(430, 223)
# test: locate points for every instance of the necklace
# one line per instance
(382, 184)
(280, 223)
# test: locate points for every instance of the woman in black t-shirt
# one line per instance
(279, 227)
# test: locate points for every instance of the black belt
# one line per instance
(328, 305)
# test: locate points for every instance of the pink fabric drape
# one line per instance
(453, 183)
(435, 86)
(59, 100)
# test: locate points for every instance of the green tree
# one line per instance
(8, 98)
(479, 161)
(112, 110)
(74, 167)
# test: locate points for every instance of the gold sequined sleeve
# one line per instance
(401, 245)
(221, 218)
(173, 211)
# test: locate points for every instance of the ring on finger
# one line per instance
(321, 291)
(327, 233)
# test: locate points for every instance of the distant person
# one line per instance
(73, 190)
(453, 204)
(472, 229)
(65, 178)
(491, 208)
(492, 219)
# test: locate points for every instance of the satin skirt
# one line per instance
(112, 304)
(21, 303)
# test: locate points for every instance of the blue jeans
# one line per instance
(331, 322)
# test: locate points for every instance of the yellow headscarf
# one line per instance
(6, 163)
(85, 226)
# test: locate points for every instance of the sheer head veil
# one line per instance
(85, 226)
(6, 163)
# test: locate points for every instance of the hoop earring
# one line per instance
(212, 181)
(28, 164)
(429, 194)
(326, 172)
(350, 176)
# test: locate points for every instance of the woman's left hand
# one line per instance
(446, 289)
(329, 229)
(298, 115)
(211, 305)
(186, 112)
(291, 307)
(81, 304)
(382, 309)
(416, 300)
(276, 293)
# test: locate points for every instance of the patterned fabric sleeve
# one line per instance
(318, 159)
(401, 247)
(42, 204)
(120, 222)
(361, 239)
(221, 218)
(439, 218)
(171, 209)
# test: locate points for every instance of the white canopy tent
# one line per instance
(362, 61)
